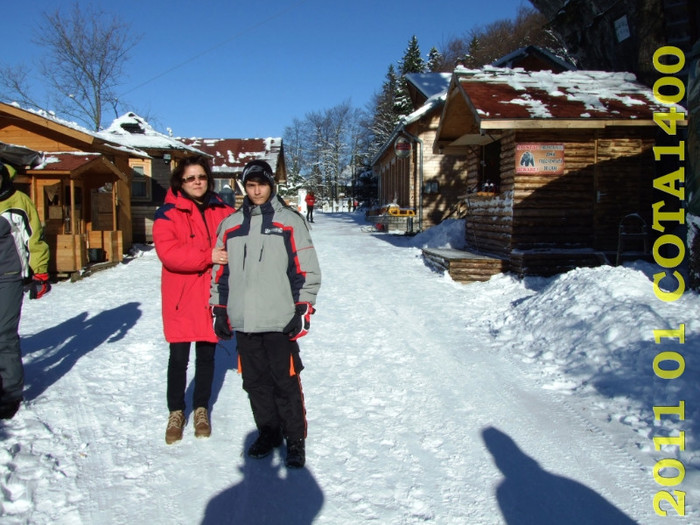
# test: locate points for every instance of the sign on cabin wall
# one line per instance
(539, 158)
(402, 147)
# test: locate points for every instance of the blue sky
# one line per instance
(225, 68)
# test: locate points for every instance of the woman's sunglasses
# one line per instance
(192, 178)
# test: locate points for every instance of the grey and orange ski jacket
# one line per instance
(272, 265)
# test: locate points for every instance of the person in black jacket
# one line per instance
(23, 255)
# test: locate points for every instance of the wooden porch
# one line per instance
(76, 197)
(464, 266)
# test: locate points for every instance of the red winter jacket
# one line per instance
(310, 199)
(184, 244)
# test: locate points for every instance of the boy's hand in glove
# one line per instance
(222, 328)
(299, 325)
(40, 286)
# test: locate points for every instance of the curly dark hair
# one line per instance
(176, 177)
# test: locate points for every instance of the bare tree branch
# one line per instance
(86, 53)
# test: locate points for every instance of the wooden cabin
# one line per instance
(81, 189)
(414, 177)
(150, 176)
(229, 157)
(555, 162)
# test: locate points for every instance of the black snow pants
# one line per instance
(270, 366)
(11, 368)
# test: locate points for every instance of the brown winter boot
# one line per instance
(176, 422)
(202, 427)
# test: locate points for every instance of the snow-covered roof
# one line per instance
(65, 160)
(229, 156)
(429, 84)
(132, 130)
(113, 142)
(434, 83)
(503, 93)
(77, 162)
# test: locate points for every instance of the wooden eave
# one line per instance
(582, 123)
(459, 118)
(46, 123)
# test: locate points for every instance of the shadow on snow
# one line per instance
(225, 360)
(268, 494)
(58, 348)
(530, 494)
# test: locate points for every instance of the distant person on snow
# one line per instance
(184, 234)
(310, 203)
(266, 294)
(23, 254)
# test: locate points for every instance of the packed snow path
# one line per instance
(428, 401)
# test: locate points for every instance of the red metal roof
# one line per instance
(501, 93)
(231, 155)
(65, 161)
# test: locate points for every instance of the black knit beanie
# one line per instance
(258, 169)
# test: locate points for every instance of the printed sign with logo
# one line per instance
(539, 158)
(402, 147)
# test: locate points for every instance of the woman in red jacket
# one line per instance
(184, 234)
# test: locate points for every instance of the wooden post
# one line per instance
(114, 205)
(72, 207)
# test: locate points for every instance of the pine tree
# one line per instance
(435, 60)
(412, 62)
(471, 59)
(385, 117)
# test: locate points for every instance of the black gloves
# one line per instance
(40, 285)
(222, 327)
(299, 325)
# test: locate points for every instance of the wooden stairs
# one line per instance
(464, 266)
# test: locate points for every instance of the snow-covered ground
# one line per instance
(510, 401)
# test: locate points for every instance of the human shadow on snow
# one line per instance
(268, 494)
(50, 354)
(530, 494)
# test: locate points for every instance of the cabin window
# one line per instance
(431, 187)
(140, 184)
(490, 168)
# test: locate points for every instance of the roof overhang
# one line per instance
(464, 125)
(46, 123)
(459, 122)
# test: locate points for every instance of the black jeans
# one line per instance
(177, 374)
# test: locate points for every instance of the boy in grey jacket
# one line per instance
(273, 277)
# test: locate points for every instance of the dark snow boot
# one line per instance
(268, 439)
(296, 453)
(9, 409)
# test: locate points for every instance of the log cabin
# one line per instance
(81, 188)
(555, 162)
(412, 176)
